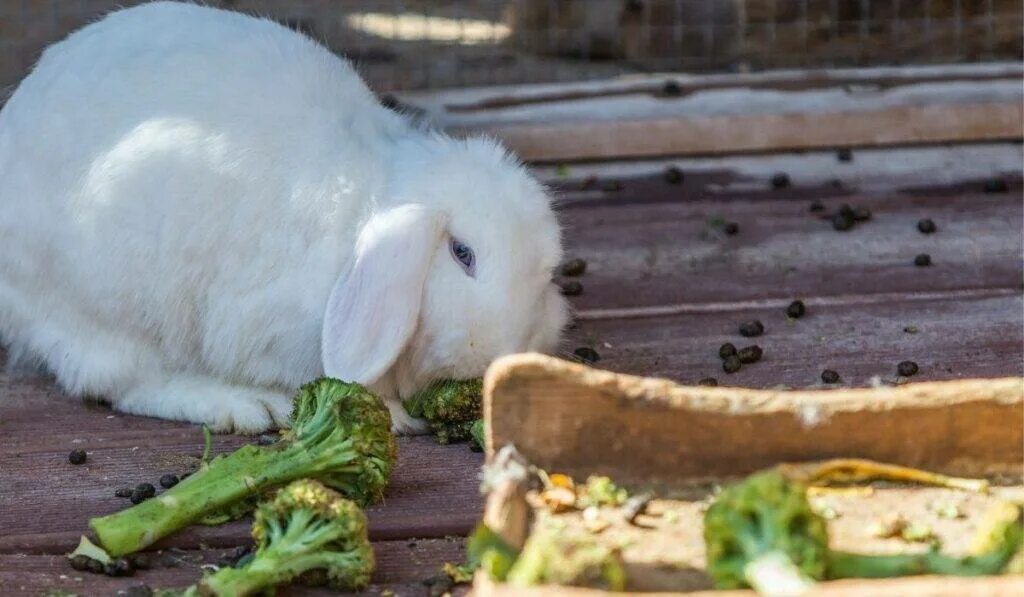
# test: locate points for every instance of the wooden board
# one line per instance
(967, 309)
(401, 568)
(930, 586)
(655, 431)
(740, 113)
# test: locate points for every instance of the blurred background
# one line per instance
(416, 44)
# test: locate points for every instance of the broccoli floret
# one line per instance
(762, 530)
(601, 491)
(477, 434)
(450, 407)
(552, 555)
(763, 533)
(340, 435)
(306, 531)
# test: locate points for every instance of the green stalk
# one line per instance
(227, 480)
(851, 565)
(268, 569)
(773, 574)
(247, 471)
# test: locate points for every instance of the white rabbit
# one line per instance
(201, 210)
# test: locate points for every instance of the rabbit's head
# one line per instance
(451, 271)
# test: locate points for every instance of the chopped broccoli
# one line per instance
(340, 435)
(763, 533)
(450, 407)
(761, 529)
(306, 531)
(601, 491)
(554, 556)
(478, 434)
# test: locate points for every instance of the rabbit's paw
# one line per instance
(222, 406)
(402, 423)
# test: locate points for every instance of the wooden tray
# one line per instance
(579, 420)
(569, 418)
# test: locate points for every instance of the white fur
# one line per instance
(200, 210)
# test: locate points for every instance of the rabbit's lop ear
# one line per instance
(373, 308)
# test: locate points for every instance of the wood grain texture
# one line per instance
(670, 249)
(739, 113)
(45, 502)
(655, 431)
(401, 568)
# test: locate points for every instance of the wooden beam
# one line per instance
(718, 135)
(579, 421)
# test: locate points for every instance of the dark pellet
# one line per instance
(731, 364)
(731, 228)
(119, 567)
(843, 221)
(708, 381)
(587, 355)
(996, 185)
(572, 267)
(674, 175)
(439, 585)
(145, 489)
(817, 206)
(829, 376)
(796, 309)
(672, 89)
(267, 439)
(750, 354)
(570, 287)
(844, 154)
(80, 562)
(907, 368)
(727, 350)
(846, 210)
(861, 214)
(923, 260)
(139, 591)
(168, 481)
(124, 492)
(635, 506)
(926, 226)
(232, 558)
(780, 180)
(77, 457)
(139, 561)
(94, 566)
(751, 329)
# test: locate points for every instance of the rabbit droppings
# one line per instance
(202, 210)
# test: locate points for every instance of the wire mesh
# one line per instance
(421, 44)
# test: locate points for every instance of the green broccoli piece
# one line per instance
(763, 530)
(450, 407)
(601, 491)
(340, 435)
(552, 555)
(762, 533)
(307, 531)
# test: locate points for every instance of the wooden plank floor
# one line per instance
(664, 288)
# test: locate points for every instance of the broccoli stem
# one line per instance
(773, 574)
(227, 480)
(270, 568)
(247, 471)
(850, 565)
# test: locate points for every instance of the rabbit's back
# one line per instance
(191, 175)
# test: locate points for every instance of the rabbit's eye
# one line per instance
(464, 255)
